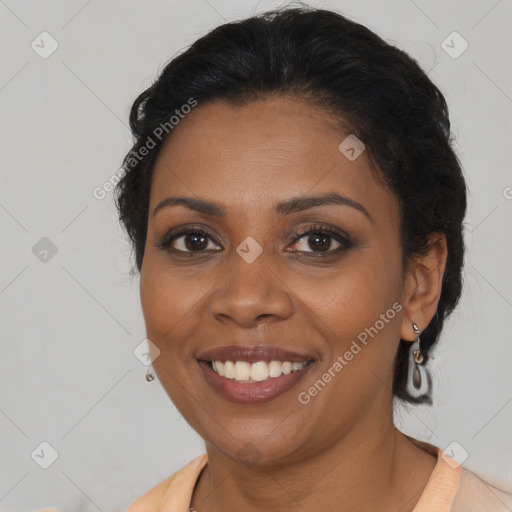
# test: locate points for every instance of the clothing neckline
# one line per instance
(175, 493)
(442, 485)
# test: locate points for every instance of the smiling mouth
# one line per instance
(253, 383)
(251, 374)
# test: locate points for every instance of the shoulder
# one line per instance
(476, 495)
(173, 493)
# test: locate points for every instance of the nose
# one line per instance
(250, 293)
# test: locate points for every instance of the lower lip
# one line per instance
(252, 393)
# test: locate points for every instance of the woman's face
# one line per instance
(315, 295)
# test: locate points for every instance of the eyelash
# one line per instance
(339, 235)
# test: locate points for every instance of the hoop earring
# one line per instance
(419, 383)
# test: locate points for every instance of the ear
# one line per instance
(423, 285)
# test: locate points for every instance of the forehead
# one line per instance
(260, 153)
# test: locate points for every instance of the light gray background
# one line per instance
(69, 325)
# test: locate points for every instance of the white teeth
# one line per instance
(229, 370)
(243, 371)
(259, 371)
(275, 368)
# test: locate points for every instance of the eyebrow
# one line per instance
(283, 208)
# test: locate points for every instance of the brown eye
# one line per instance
(190, 241)
(320, 240)
(317, 242)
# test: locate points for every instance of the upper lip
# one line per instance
(252, 354)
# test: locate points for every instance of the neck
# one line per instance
(370, 468)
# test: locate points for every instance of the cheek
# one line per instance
(354, 296)
(357, 312)
(167, 299)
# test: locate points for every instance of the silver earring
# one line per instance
(147, 357)
(419, 383)
(146, 352)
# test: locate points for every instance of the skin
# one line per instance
(341, 451)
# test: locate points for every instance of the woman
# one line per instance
(296, 210)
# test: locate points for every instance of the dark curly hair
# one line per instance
(369, 85)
